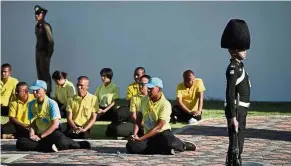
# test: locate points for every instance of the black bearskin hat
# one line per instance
(236, 35)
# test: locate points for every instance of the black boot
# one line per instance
(240, 160)
(75, 145)
(173, 119)
(228, 160)
(84, 145)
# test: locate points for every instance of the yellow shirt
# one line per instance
(19, 110)
(135, 103)
(65, 92)
(8, 90)
(152, 112)
(132, 90)
(43, 114)
(106, 94)
(82, 108)
(190, 96)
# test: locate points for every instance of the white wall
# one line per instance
(164, 37)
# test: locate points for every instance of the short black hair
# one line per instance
(107, 72)
(187, 73)
(20, 84)
(6, 65)
(57, 75)
(139, 68)
(83, 78)
(145, 76)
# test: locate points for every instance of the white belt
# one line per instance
(240, 103)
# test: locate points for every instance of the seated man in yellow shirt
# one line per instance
(44, 130)
(123, 112)
(107, 94)
(82, 111)
(158, 137)
(7, 88)
(18, 114)
(190, 95)
(135, 102)
(124, 128)
(133, 88)
(63, 92)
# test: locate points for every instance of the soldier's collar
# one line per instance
(41, 22)
(239, 61)
(236, 60)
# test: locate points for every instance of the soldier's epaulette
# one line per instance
(232, 66)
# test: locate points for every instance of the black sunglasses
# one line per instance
(142, 84)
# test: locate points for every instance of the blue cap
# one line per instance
(155, 82)
(38, 84)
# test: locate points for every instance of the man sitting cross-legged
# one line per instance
(44, 129)
(135, 103)
(124, 129)
(133, 88)
(158, 137)
(82, 111)
(190, 94)
(18, 114)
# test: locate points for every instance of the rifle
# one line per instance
(235, 151)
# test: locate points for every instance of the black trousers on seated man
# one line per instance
(122, 114)
(4, 110)
(62, 111)
(17, 131)
(118, 115)
(119, 129)
(68, 131)
(124, 129)
(109, 115)
(45, 145)
(182, 116)
(162, 143)
(122, 126)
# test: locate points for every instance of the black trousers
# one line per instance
(121, 125)
(161, 143)
(241, 117)
(183, 116)
(119, 129)
(109, 115)
(115, 114)
(43, 60)
(68, 131)
(62, 111)
(45, 145)
(123, 114)
(4, 110)
(10, 128)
